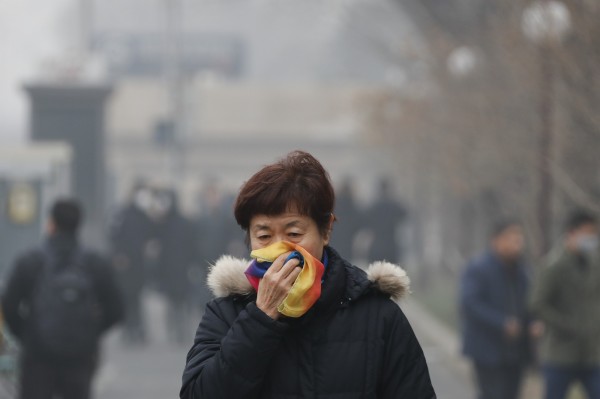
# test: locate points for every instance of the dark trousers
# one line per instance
(558, 380)
(44, 379)
(177, 314)
(499, 382)
(133, 327)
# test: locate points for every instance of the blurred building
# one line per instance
(233, 129)
(215, 88)
(74, 113)
(31, 177)
(344, 41)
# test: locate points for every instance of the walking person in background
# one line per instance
(58, 301)
(384, 219)
(566, 298)
(211, 235)
(211, 240)
(348, 220)
(493, 304)
(129, 237)
(175, 262)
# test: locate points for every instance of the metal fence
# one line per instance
(8, 365)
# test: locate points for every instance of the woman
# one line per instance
(299, 321)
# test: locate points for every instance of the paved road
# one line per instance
(449, 372)
(149, 372)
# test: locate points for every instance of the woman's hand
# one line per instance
(276, 284)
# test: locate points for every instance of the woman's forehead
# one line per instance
(284, 219)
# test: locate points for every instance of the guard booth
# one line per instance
(32, 176)
(74, 113)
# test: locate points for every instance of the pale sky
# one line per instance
(293, 40)
(30, 32)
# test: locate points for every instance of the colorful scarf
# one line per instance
(306, 289)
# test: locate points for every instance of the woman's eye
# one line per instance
(294, 234)
(264, 237)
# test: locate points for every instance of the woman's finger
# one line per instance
(289, 267)
(291, 278)
(277, 264)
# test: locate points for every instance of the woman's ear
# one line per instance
(327, 235)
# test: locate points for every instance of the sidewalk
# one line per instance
(150, 372)
(450, 373)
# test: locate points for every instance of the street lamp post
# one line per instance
(173, 74)
(545, 23)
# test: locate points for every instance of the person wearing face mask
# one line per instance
(496, 325)
(129, 234)
(299, 321)
(567, 299)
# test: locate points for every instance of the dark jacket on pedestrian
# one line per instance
(22, 285)
(491, 293)
(177, 256)
(383, 218)
(129, 235)
(567, 299)
(355, 342)
(348, 222)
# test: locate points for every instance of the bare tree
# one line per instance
(474, 141)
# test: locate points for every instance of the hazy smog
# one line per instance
(461, 138)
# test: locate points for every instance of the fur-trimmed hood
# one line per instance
(226, 277)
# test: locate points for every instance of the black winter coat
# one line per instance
(354, 343)
(22, 284)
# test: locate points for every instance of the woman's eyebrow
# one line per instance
(261, 227)
(294, 223)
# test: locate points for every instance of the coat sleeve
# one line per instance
(545, 290)
(405, 371)
(109, 293)
(231, 359)
(473, 300)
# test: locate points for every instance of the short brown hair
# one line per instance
(296, 183)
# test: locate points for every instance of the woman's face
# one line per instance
(299, 229)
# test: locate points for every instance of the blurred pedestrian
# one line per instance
(211, 241)
(384, 219)
(58, 302)
(567, 299)
(495, 321)
(300, 321)
(236, 243)
(175, 261)
(129, 237)
(348, 220)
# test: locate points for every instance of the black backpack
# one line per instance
(65, 311)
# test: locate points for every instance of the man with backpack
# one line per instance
(58, 301)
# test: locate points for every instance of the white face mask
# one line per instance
(587, 243)
(143, 199)
(163, 205)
